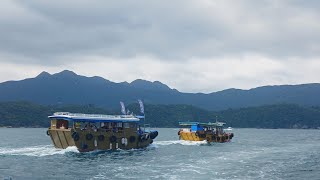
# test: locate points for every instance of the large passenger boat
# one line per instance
(90, 132)
(211, 132)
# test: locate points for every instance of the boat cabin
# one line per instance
(65, 120)
(202, 128)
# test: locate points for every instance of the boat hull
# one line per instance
(108, 140)
(209, 137)
(90, 140)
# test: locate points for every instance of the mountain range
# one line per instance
(67, 87)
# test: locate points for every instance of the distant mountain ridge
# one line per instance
(67, 87)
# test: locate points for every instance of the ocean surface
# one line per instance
(27, 153)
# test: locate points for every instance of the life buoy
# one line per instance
(89, 137)
(48, 133)
(113, 139)
(132, 139)
(101, 137)
(75, 136)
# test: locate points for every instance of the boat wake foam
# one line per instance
(181, 142)
(38, 151)
(49, 150)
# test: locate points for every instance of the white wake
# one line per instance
(181, 142)
(39, 151)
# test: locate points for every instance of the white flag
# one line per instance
(141, 106)
(123, 109)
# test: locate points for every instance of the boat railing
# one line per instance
(91, 115)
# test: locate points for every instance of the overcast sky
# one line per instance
(190, 45)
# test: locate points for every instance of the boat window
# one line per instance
(104, 125)
(90, 126)
(111, 125)
(126, 125)
(186, 130)
(133, 125)
(119, 124)
(62, 124)
(77, 125)
(53, 123)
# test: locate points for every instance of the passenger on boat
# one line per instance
(114, 128)
(87, 126)
(77, 125)
(105, 126)
(90, 126)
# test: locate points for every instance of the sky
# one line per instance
(190, 45)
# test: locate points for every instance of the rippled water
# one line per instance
(253, 154)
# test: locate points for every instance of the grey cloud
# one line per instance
(45, 31)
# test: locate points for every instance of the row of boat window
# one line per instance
(62, 124)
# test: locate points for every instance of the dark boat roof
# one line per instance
(80, 117)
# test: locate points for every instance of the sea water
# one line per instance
(27, 153)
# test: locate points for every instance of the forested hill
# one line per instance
(68, 87)
(24, 114)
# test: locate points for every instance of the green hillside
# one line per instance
(25, 114)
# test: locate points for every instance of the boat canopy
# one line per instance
(209, 124)
(79, 117)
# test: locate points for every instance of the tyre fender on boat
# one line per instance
(223, 138)
(48, 133)
(75, 136)
(101, 137)
(153, 134)
(132, 139)
(89, 137)
(218, 138)
(113, 139)
(208, 139)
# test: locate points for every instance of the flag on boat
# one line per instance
(141, 106)
(123, 109)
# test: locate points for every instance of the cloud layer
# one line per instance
(214, 44)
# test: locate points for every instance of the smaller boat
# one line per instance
(211, 132)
